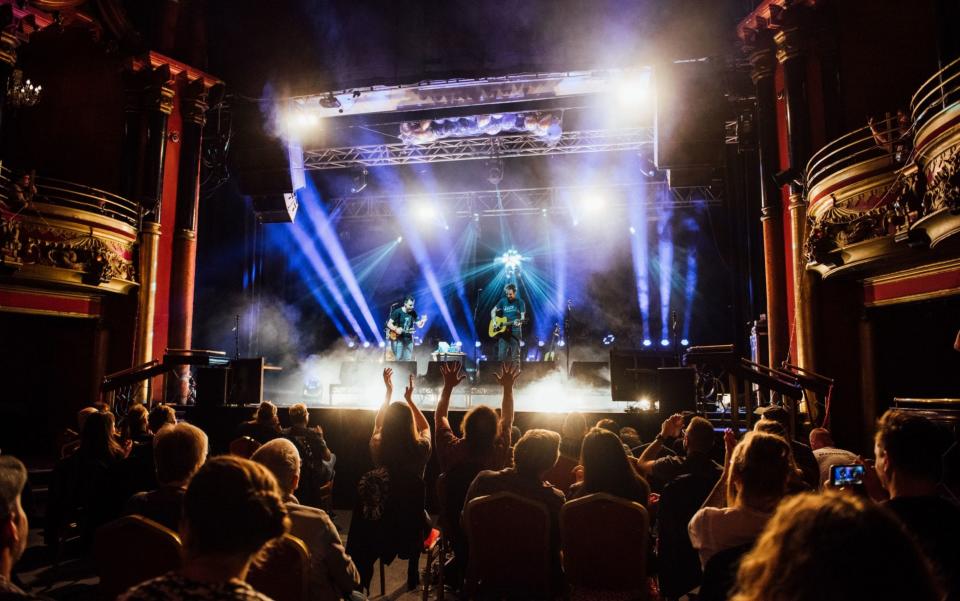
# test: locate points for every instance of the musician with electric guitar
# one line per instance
(506, 319)
(400, 327)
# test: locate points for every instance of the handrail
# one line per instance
(938, 92)
(857, 146)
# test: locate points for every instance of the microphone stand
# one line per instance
(476, 348)
(386, 333)
(566, 333)
(676, 336)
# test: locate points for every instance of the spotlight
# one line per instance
(685, 342)
(366, 344)
(495, 171)
(664, 342)
(543, 211)
(647, 342)
(645, 405)
(301, 120)
(608, 340)
(383, 344)
(633, 90)
(522, 343)
(511, 260)
(329, 101)
(477, 344)
(476, 216)
(540, 343)
(633, 230)
(399, 239)
(426, 212)
(593, 204)
(562, 343)
(351, 344)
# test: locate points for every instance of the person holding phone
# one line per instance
(827, 454)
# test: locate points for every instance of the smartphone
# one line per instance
(846, 475)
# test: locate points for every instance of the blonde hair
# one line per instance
(298, 415)
(759, 469)
(178, 452)
(833, 547)
(281, 457)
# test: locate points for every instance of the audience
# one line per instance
(486, 439)
(698, 443)
(833, 547)
(13, 525)
(178, 452)
(136, 472)
(755, 479)
(909, 450)
(317, 462)
(332, 573)
(562, 474)
(802, 454)
(72, 439)
(630, 437)
(606, 469)
(264, 427)
(161, 415)
(827, 454)
(232, 509)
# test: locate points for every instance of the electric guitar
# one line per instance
(393, 335)
(500, 326)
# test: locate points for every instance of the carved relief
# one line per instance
(942, 176)
(101, 259)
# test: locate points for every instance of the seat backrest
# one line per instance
(282, 570)
(243, 446)
(131, 550)
(720, 573)
(604, 540)
(509, 539)
(679, 562)
(452, 488)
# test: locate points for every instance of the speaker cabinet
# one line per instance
(690, 116)
(211, 386)
(590, 373)
(633, 374)
(433, 376)
(676, 389)
(245, 381)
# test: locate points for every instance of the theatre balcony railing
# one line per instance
(55, 232)
(889, 196)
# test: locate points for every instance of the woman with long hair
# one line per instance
(754, 481)
(232, 509)
(834, 547)
(606, 469)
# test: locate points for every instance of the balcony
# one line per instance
(54, 232)
(882, 196)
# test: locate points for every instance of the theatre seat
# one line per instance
(283, 569)
(131, 550)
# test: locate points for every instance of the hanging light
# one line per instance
(22, 93)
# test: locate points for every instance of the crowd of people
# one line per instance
(747, 516)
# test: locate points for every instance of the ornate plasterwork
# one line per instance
(942, 176)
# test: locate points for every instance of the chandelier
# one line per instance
(22, 93)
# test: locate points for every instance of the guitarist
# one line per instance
(514, 310)
(400, 329)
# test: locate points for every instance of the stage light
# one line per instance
(645, 405)
(476, 216)
(366, 344)
(562, 343)
(633, 90)
(351, 344)
(399, 239)
(608, 340)
(477, 344)
(425, 211)
(685, 342)
(664, 342)
(543, 211)
(647, 342)
(540, 343)
(359, 180)
(633, 230)
(301, 120)
(383, 344)
(511, 260)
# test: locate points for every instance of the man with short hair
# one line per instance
(332, 573)
(514, 310)
(827, 454)
(909, 450)
(178, 452)
(160, 416)
(13, 524)
(802, 454)
(698, 443)
(316, 460)
(400, 328)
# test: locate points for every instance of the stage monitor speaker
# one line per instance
(633, 374)
(690, 115)
(211, 386)
(534, 371)
(433, 377)
(245, 381)
(590, 373)
(676, 389)
(486, 371)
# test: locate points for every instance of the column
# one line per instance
(771, 206)
(193, 108)
(8, 60)
(790, 55)
(150, 133)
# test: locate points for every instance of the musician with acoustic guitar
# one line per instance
(400, 328)
(505, 323)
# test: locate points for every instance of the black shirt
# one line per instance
(405, 321)
(512, 310)
(935, 525)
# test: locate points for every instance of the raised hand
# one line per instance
(508, 374)
(408, 392)
(672, 426)
(452, 372)
(388, 378)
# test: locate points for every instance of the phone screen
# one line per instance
(846, 475)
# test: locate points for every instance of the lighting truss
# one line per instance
(523, 201)
(482, 147)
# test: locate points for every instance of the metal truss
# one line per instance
(478, 204)
(483, 147)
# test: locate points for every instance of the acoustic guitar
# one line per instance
(500, 326)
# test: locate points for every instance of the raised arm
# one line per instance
(507, 377)
(452, 373)
(419, 419)
(670, 428)
(718, 496)
(388, 383)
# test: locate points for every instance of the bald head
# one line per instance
(821, 438)
(281, 457)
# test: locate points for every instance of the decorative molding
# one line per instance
(789, 44)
